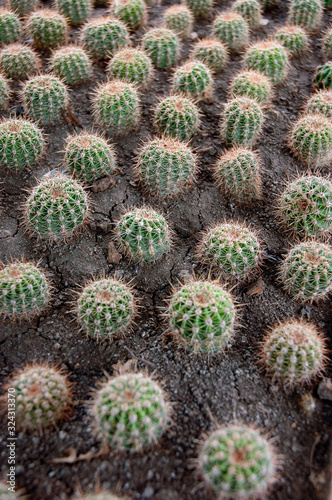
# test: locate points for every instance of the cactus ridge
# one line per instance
(177, 116)
(250, 10)
(103, 36)
(232, 30)
(311, 139)
(323, 76)
(163, 46)
(199, 8)
(269, 58)
(242, 121)
(132, 65)
(132, 12)
(48, 28)
(179, 19)
(252, 84)
(210, 52)
(18, 61)
(293, 37)
(193, 79)
(76, 11)
(71, 64)
(10, 27)
(306, 13)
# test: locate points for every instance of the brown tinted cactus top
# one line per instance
(179, 19)
(211, 52)
(293, 37)
(320, 102)
(252, 84)
(250, 10)
(231, 29)
(103, 36)
(71, 64)
(48, 28)
(193, 79)
(132, 65)
(76, 11)
(242, 121)
(177, 116)
(10, 27)
(132, 12)
(311, 139)
(268, 57)
(18, 61)
(163, 46)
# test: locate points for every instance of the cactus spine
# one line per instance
(269, 58)
(306, 13)
(321, 102)
(199, 8)
(163, 46)
(311, 139)
(47, 28)
(10, 28)
(179, 19)
(76, 11)
(177, 116)
(5, 93)
(103, 36)
(132, 12)
(324, 75)
(71, 64)
(18, 61)
(210, 52)
(293, 37)
(132, 65)
(194, 79)
(242, 121)
(232, 30)
(252, 84)
(250, 10)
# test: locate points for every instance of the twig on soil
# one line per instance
(133, 355)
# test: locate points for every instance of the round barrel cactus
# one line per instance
(132, 12)
(179, 19)
(5, 92)
(10, 27)
(193, 79)
(231, 29)
(177, 116)
(320, 102)
(323, 76)
(103, 36)
(18, 61)
(199, 8)
(76, 11)
(311, 139)
(211, 52)
(293, 37)
(252, 84)
(306, 13)
(71, 64)
(23, 7)
(132, 65)
(163, 46)
(268, 57)
(242, 121)
(250, 10)
(47, 28)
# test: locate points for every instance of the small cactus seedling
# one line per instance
(236, 461)
(199, 8)
(305, 207)
(163, 46)
(24, 291)
(252, 84)
(103, 36)
(143, 234)
(56, 209)
(89, 157)
(327, 44)
(250, 10)
(269, 58)
(43, 396)
(132, 65)
(201, 317)
(232, 249)
(293, 352)
(130, 411)
(10, 28)
(105, 307)
(311, 139)
(293, 37)
(116, 106)
(47, 28)
(232, 30)
(306, 13)
(76, 11)
(18, 61)
(238, 175)
(193, 79)
(306, 272)
(321, 102)
(166, 167)
(5, 92)
(324, 75)
(177, 116)
(45, 99)
(242, 121)
(179, 19)
(23, 7)
(71, 64)
(21, 144)
(212, 53)
(132, 12)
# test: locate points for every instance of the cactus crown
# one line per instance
(71, 64)
(293, 37)
(232, 30)
(311, 139)
(252, 84)
(10, 27)
(5, 92)
(178, 18)
(76, 11)
(131, 12)
(163, 46)
(103, 36)
(132, 65)
(321, 102)
(211, 52)
(177, 116)
(268, 57)
(242, 121)
(23, 7)
(199, 8)
(48, 28)
(18, 61)
(324, 75)
(193, 78)
(306, 13)
(250, 10)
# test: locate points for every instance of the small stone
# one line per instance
(148, 492)
(103, 184)
(114, 256)
(325, 389)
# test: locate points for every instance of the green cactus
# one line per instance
(320, 102)
(236, 461)
(231, 29)
(132, 12)
(5, 93)
(252, 84)
(305, 206)
(193, 79)
(268, 57)
(179, 19)
(177, 116)
(268, 4)
(21, 144)
(103, 36)
(23, 7)
(130, 411)
(116, 106)
(199, 8)
(323, 76)
(132, 65)
(71, 64)
(89, 157)
(47, 28)
(242, 121)
(211, 52)
(306, 272)
(293, 37)
(238, 175)
(306, 13)
(327, 4)
(163, 46)
(327, 44)
(10, 27)
(311, 139)
(43, 396)
(18, 61)
(76, 11)
(25, 291)
(143, 234)
(166, 167)
(250, 10)
(56, 209)
(293, 352)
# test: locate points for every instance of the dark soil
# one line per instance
(230, 388)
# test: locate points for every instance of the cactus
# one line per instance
(130, 411)
(56, 209)
(23, 7)
(132, 12)
(242, 121)
(323, 76)
(76, 11)
(293, 352)
(211, 52)
(194, 79)
(179, 19)
(267, 4)
(177, 116)
(143, 234)
(132, 65)
(166, 167)
(305, 207)
(103, 36)
(105, 307)
(116, 106)
(238, 175)
(5, 93)
(327, 44)
(163, 46)
(321, 102)
(71, 64)
(268, 57)
(293, 37)
(45, 99)
(21, 144)
(311, 139)
(199, 8)
(252, 84)
(250, 10)
(25, 291)
(306, 13)
(47, 28)
(237, 461)
(89, 157)
(232, 249)
(10, 28)
(232, 30)
(306, 272)
(18, 61)
(43, 396)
